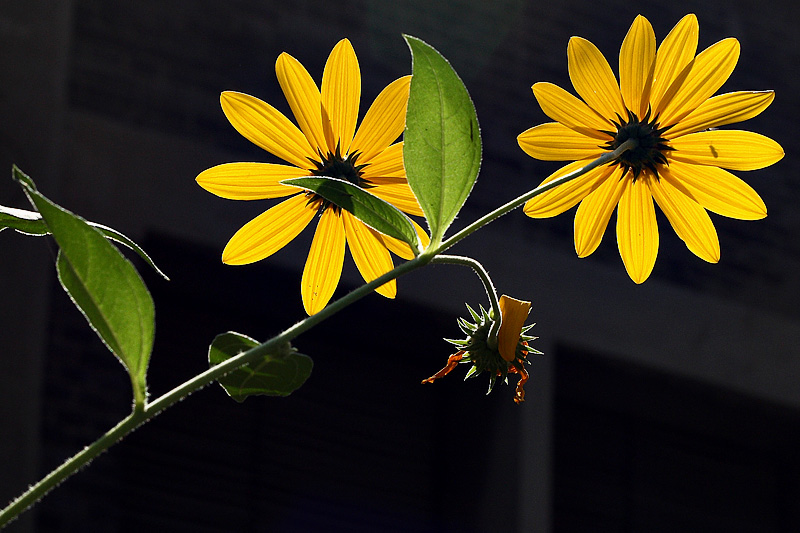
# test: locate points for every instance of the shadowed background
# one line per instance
(669, 406)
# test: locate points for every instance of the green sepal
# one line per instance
(276, 374)
(471, 372)
(492, 381)
(475, 316)
(375, 212)
(467, 327)
(103, 285)
(442, 142)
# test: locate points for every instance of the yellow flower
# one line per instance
(508, 356)
(325, 144)
(664, 100)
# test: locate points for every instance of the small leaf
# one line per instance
(276, 374)
(442, 143)
(375, 212)
(103, 285)
(31, 223)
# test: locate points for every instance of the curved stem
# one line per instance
(516, 202)
(487, 284)
(151, 409)
(145, 411)
(253, 354)
(70, 466)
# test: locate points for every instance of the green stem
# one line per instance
(151, 409)
(516, 202)
(255, 353)
(70, 466)
(487, 284)
(145, 411)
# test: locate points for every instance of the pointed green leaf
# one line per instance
(31, 223)
(277, 374)
(375, 212)
(103, 285)
(116, 236)
(442, 143)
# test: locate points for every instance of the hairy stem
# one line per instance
(491, 339)
(70, 466)
(151, 409)
(516, 202)
(146, 411)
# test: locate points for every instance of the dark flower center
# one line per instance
(346, 168)
(649, 151)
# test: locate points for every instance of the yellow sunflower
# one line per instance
(325, 144)
(664, 101)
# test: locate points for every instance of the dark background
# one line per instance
(670, 406)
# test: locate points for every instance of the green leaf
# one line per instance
(442, 143)
(31, 223)
(27, 222)
(103, 285)
(276, 374)
(116, 236)
(375, 212)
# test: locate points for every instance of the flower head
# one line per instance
(664, 101)
(325, 142)
(499, 357)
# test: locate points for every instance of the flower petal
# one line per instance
(716, 189)
(553, 141)
(369, 253)
(709, 70)
(249, 181)
(675, 52)
(397, 193)
(592, 216)
(560, 198)
(722, 109)
(384, 121)
(266, 127)
(269, 232)
(303, 96)
(637, 231)
(402, 249)
(514, 313)
(324, 263)
(341, 95)
(636, 62)
(689, 220)
(593, 79)
(572, 112)
(387, 164)
(731, 149)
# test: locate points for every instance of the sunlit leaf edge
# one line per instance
(375, 212)
(63, 225)
(31, 223)
(229, 344)
(443, 209)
